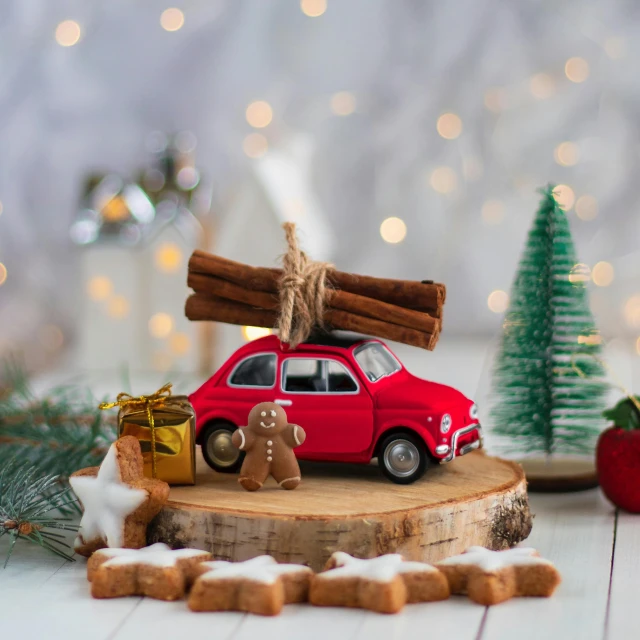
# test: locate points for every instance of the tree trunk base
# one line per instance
(475, 500)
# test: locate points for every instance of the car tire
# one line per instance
(403, 458)
(218, 450)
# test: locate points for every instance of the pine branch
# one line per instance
(30, 506)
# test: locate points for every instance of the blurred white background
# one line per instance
(406, 138)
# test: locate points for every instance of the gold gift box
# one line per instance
(175, 431)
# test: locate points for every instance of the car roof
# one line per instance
(335, 340)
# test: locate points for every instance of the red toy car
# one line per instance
(354, 399)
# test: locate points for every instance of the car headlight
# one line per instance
(473, 411)
(445, 423)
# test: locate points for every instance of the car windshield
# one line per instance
(375, 361)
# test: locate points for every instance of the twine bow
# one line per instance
(148, 403)
(303, 292)
(616, 379)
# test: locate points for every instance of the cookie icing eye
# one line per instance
(273, 413)
(263, 414)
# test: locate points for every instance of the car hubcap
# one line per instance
(402, 458)
(220, 448)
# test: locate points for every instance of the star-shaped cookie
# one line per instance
(490, 577)
(118, 501)
(259, 585)
(155, 571)
(383, 584)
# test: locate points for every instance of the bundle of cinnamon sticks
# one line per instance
(401, 310)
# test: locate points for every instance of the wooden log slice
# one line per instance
(475, 500)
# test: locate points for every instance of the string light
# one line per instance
(99, 288)
(580, 273)
(493, 212)
(3, 274)
(255, 145)
(615, 47)
(168, 257)
(253, 333)
(171, 19)
(566, 154)
(542, 86)
(602, 274)
(449, 126)
(160, 325)
(443, 180)
(498, 301)
(632, 311)
(259, 114)
(495, 99)
(179, 344)
(576, 69)
(393, 230)
(313, 8)
(118, 307)
(68, 33)
(565, 197)
(343, 103)
(586, 207)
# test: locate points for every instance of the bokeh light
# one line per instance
(168, 257)
(493, 212)
(443, 180)
(602, 274)
(498, 301)
(179, 344)
(449, 126)
(313, 8)
(495, 99)
(171, 19)
(68, 33)
(255, 145)
(615, 47)
(343, 103)
(631, 311)
(99, 288)
(253, 333)
(580, 273)
(565, 197)
(259, 114)
(567, 154)
(542, 86)
(118, 307)
(586, 207)
(393, 230)
(3, 274)
(160, 325)
(576, 69)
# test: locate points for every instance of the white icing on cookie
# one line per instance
(155, 555)
(491, 561)
(382, 569)
(107, 501)
(263, 569)
(244, 440)
(295, 434)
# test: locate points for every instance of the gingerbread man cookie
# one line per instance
(259, 585)
(490, 577)
(269, 440)
(384, 584)
(155, 571)
(118, 501)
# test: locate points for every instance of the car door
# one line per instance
(324, 397)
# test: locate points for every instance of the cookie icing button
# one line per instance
(492, 561)
(107, 501)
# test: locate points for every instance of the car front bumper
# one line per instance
(460, 450)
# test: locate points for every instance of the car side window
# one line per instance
(256, 371)
(339, 378)
(304, 375)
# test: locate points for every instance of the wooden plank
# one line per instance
(623, 619)
(576, 532)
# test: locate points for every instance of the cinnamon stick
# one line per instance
(202, 306)
(337, 299)
(428, 297)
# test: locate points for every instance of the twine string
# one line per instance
(148, 403)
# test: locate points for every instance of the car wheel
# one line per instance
(403, 458)
(218, 450)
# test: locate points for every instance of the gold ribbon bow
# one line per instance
(148, 403)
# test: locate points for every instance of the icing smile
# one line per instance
(267, 426)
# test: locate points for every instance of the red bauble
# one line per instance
(618, 462)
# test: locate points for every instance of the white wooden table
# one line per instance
(596, 550)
